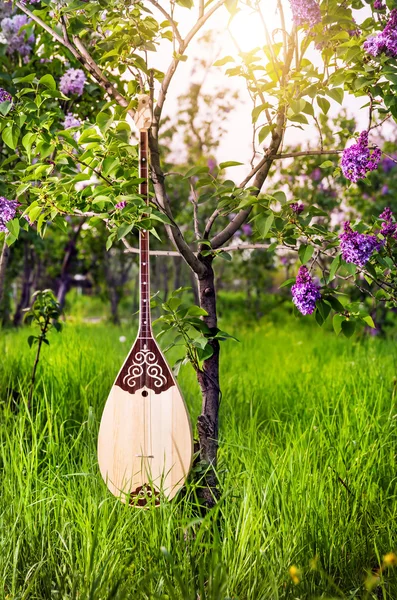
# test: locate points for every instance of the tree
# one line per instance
(109, 46)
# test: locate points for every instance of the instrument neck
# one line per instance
(145, 329)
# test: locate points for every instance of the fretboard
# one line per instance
(145, 330)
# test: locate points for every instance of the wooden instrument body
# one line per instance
(145, 443)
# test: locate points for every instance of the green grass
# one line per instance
(307, 468)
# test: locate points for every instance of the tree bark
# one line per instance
(70, 251)
(208, 378)
(5, 253)
(114, 305)
(27, 280)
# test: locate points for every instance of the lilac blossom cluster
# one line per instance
(5, 96)
(357, 247)
(17, 40)
(358, 160)
(297, 207)
(385, 41)
(305, 292)
(121, 205)
(71, 121)
(378, 5)
(389, 227)
(8, 209)
(305, 12)
(72, 82)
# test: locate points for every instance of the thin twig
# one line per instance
(170, 19)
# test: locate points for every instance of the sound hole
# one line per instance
(144, 495)
(145, 393)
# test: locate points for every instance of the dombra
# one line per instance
(145, 439)
(145, 444)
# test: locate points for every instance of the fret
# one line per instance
(145, 328)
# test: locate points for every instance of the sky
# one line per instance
(236, 144)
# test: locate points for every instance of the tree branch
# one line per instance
(81, 54)
(169, 18)
(173, 66)
(232, 248)
(263, 168)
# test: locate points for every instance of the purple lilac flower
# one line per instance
(297, 207)
(16, 39)
(384, 190)
(357, 247)
(388, 164)
(386, 40)
(247, 229)
(211, 164)
(378, 5)
(71, 121)
(389, 228)
(72, 82)
(5, 96)
(6, 9)
(356, 31)
(305, 12)
(357, 160)
(121, 205)
(305, 292)
(316, 175)
(8, 209)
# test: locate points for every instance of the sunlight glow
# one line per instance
(248, 29)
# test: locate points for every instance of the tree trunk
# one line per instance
(207, 423)
(5, 253)
(177, 272)
(114, 305)
(65, 279)
(193, 281)
(27, 280)
(165, 276)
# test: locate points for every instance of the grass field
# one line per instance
(307, 467)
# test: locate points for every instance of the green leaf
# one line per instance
(104, 121)
(287, 282)
(173, 303)
(337, 323)
(299, 119)
(324, 104)
(369, 321)
(264, 132)
(326, 164)
(334, 302)
(13, 227)
(10, 136)
(334, 267)
(223, 61)
(230, 163)
(263, 223)
(348, 328)
(48, 81)
(258, 109)
(336, 94)
(280, 197)
(5, 107)
(231, 6)
(224, 255)
(28, 140)
(196, 171)
(196, 311)
(124, 229)
(324, 309)
(305, 253)
(185, 3)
